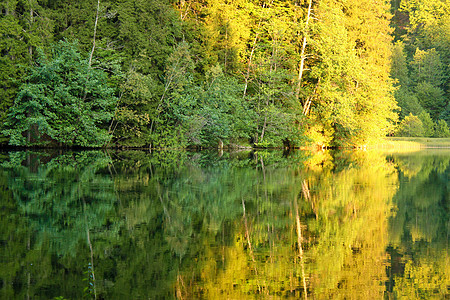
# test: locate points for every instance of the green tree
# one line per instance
(399, 67)
(24, 25)
(427, 67)
(422, 27)
(176, 101)
(445, 115)
(226, 32)
(76, 21)
(442, 129)
(408, 102)
(130, 125)
(65, 101)
(141, 36)
(428, 77)
(428, 124)
(411, 126)
(13, 50)
(271, 67)
(431, 98)
(220, 114)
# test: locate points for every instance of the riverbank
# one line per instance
(412, 143)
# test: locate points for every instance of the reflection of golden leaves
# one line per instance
(231, 281)
(430, 277)
(319, 161)
(353, 203)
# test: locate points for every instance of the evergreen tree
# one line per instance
(427, 67)
(431, 98)
(399, 68)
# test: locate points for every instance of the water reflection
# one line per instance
(420, 228)
(195, 225)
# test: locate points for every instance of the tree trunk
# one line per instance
(264, 127)
(95, 33)
(308, 101)
(30, 48)
(302, 54)
(247, 75)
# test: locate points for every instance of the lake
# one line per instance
(208, 225)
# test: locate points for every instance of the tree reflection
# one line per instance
(59, 204)
(419, 229)
(342, 217)
(196, 225)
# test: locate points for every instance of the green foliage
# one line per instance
(13, 57)
(399, 68)
(411, 126)
(131, 121)
(74, 21)
(428, 124)
(176, 101)
(168, 52)
(224, 32)
(24, 26)
(279, 114)
(64, 101)
(445, 115)
(431, 98)
(442, 129)
(220, 114)
(147, 31)
(422, 34)
(408, 102)
(427, 67)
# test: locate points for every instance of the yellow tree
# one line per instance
(354, 101)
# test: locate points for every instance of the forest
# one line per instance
(194, 73)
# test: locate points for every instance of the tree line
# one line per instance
(420, 66)
(134, 73)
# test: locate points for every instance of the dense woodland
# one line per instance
(155, 73)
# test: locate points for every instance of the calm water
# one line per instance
(135, 225)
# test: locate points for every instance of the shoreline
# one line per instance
(412, 143)
(387, 143)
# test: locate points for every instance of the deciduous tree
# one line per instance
(64, 101)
